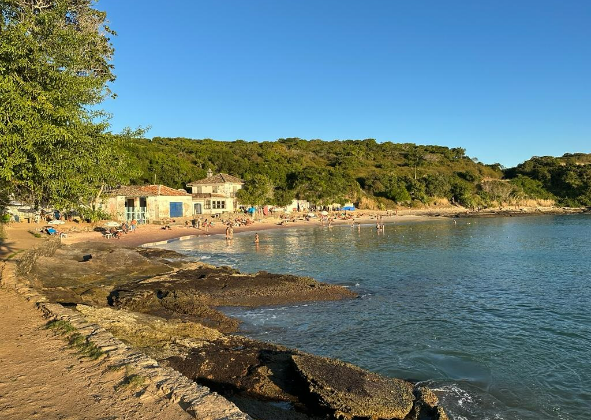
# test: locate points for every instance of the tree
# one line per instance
(54, 70)
(397, 191)
(462, 192)
(437, 185)
(257, 191)
(498, 191)
(415, 157)
(282, 197)
(531, 188)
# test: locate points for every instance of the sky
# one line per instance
(504, 79)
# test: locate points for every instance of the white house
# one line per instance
(215, 194)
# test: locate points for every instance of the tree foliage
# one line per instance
(55, 66)
(257, 191)
(568, 178)
(322, 172)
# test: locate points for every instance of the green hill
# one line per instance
(374, 174)
(566, 179)
(319, 171)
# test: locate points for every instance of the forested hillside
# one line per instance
(566, 179)
(363, 171)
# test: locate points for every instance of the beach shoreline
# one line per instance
(154, 235)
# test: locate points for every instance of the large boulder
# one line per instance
(348, 392)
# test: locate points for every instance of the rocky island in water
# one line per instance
(167, 307)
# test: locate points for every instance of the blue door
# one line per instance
(176, 209)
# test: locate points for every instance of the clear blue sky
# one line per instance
(505, 79)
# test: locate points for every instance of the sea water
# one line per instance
(494, 314)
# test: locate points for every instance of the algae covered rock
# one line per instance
(348, 392)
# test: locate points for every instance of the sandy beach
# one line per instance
(152, 234)
(149, 234)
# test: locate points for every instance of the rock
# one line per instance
(194, 293)
(176, 302)
(441, 415)
(153, 335)
(61, 276)
(427, 396)
(426, 406)
(348, 392)
(261, 377)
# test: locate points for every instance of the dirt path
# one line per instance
(42, 378)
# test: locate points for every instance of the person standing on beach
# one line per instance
(256, 238)
(133, 225)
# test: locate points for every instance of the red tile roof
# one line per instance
(218, 179)
(147, 190)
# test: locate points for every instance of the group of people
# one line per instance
(198, 223)
(125, 228)
(380, 223)
(229, 231)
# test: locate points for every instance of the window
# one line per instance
(215, 190)
(207, 204)
(219, 204)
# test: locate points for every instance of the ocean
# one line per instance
(492, 313)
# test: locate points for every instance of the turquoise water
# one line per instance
(495, 314)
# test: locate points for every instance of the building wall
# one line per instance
(228, 206)
(161, 207)
(157, 207)
(228, 189)
(208, 208)
(115, 206)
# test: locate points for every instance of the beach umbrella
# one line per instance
(324, 213)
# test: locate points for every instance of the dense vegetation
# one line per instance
(55, 148)
(566, 179)
(318, 171)
(374, 174)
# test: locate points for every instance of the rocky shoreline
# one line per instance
(166, 307)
